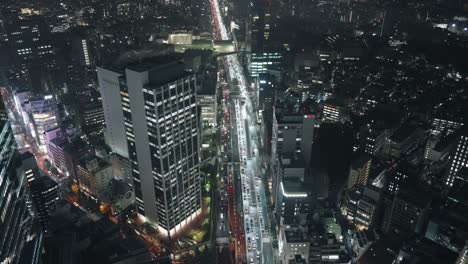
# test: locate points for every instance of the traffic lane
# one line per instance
(230, 60)
(222, 229)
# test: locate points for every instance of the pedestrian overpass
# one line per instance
(219, 47)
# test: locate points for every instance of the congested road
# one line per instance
(253, 243)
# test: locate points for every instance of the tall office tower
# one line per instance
(112, 104)
(362, 205)
(267, 86)
(81, 46)
(359, 171)
(207, 100)
(15, 217)
(29, 164)
(158, 100)
(459, 159)
(373, 138)
(30, 41)
(74, 50)
(263, 60)
(333, 111)
(240, 27)
(266, 130)
(406, 211)
(292, 169)
(263, 54)
(292, 133)
(45, 193)
(90, 112)
(399, 177)
(261, 24)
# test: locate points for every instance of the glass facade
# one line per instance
(15, 217)
(262, 61)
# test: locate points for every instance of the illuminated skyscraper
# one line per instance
(161, 125)
(458, 160)
(114, 131)
(30, 41)
(263, 54)
(91, 114)
(261, 61)
(15, 216)
(359, 171)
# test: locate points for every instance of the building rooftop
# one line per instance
(61, 248)
(384, 116)
(381, 252)
(292, 160)
(65, 216)
(372, 192)
(416, 196)
(359, 161)
(75, 146)
(295, 236)
(353, 195)
(334, 102)
(401, 133)
(207, 90)
(46, 182)
(162, 73)
(98, 162)
(152, 63)
(59, 141)
(69, 145)
(147, 55)
(294, 186)
(447, 142)
(285, 118)
(427, 251)
(26, 155)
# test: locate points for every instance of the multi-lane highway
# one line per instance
(247, 202)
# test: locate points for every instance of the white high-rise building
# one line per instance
(158, 105)
(112, 100)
